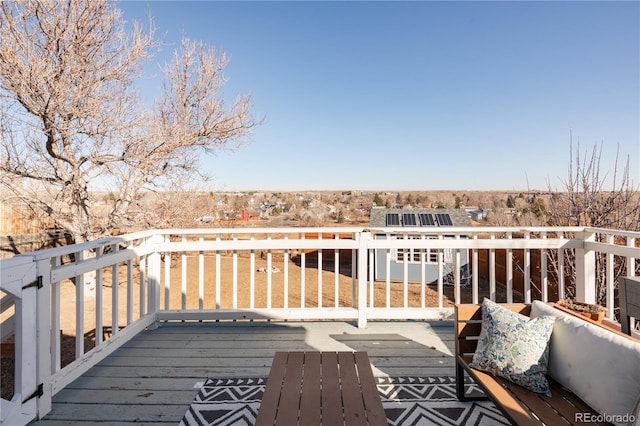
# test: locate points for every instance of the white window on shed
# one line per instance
(418, 255)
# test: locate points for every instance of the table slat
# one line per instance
(291, 390)
(311, 391)
(370, 395)
(331, 398)
(271, 397)
(351, 394)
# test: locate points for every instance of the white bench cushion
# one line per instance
(600, 367)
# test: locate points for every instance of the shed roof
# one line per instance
(382, 217)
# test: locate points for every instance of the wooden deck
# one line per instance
(154, 377)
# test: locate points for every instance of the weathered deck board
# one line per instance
(152, 379)
(118, 413)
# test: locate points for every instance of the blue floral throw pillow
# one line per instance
(514, 347)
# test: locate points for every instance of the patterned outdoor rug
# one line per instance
(406, 401)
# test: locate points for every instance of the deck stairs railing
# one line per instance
(88, 299)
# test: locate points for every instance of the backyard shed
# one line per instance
(419, 224)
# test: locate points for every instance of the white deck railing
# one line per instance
(98, 295)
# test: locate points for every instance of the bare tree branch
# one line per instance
(71, 112)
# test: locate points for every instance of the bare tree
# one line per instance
(71, 114)
(591, 197)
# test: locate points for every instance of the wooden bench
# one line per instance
(321, 388)
(629, 291)
(519, 405)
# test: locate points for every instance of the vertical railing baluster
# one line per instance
(234, 282)
(319, 267)
(492, 270)
(99, 304)
(201, 276)
(336, 273)
(303, 281)
(456, 272)
(167, 275)
(440, 273)
(142, 268)
(371, 278)
(252, 275)
(55, 320)
(631, 261)
(130, 287)
(405, 273)
(218, 275)
(388, 277)
(423, 277)
(527, 269)
(475, 273)
(561, 259)
(544, 279)
(285, 268)
(509, 269)
(183, 276)
(354, 271)
(79, 279)
(115, 296)
(269, 275)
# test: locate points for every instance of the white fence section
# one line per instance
(70, 307)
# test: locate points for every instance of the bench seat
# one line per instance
(523, 407)
(519, 405)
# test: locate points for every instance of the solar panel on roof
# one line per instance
(393, 219)
(426, 219)
(409, 219)
(444, 219)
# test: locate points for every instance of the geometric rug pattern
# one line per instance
(406, 400)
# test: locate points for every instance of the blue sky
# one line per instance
(418, 95)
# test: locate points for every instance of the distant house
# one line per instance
(246, 215)
(419, 223)
(477, 214)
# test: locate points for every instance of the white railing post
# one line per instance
(363, 250)
(153, 275)
(585, 279)
(631, 261)
(610, 279)
(44, 364)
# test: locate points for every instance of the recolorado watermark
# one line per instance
(604, 418)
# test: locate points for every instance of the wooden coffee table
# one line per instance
(321, 388)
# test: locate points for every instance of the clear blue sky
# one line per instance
(418, 95)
